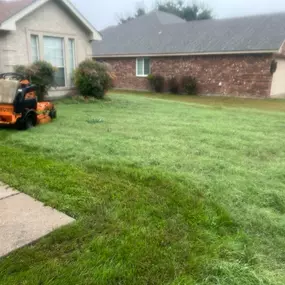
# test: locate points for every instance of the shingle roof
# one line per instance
(160, 33)
(10, 8)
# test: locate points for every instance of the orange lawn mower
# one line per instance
(19, 105)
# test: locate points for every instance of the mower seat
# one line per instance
(8, 91)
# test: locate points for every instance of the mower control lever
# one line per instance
(12, 75)
(29, 89)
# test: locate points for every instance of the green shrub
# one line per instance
(189, 85)
(40, 73)
(21, 69)
(92, 79)
(173, 85)
(156, 82)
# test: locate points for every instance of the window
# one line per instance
(71, 51)
(35, 48)
(54, 54)
(143, 67)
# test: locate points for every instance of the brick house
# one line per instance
(240, 56)
(51, 30)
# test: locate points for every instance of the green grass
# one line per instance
(225, 101)
(163, 192)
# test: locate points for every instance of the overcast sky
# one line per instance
(103, 13)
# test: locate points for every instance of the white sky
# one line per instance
(103, 13)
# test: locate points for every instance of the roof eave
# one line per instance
(184, 54)
(96, 36)
(8, 26)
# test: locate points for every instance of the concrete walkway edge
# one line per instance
(24, 220)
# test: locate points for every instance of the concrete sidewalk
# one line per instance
(24, 220)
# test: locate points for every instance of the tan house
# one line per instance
(51, 30)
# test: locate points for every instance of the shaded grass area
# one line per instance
(269, 104)
(163, 193)
(131, 228)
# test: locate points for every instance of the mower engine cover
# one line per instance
(8, 91)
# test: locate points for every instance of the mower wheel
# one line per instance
(52, 114)
(27, 123)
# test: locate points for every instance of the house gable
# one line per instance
(10, 24)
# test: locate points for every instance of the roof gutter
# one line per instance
(185, 54)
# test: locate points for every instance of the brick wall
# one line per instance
(238, 75)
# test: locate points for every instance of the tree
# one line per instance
(188, 12)
(139, 12)
(180, 8)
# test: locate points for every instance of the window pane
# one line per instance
(53, 51)
(35, 48)
(60, 77)
(146, 66)
(140, 66)
(54, 54)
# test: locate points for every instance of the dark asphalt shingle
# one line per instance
(162, 33)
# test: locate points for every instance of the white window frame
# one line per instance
(74, 52)
(65, 36)
(71, 68)
(143, 75)
(38, 47)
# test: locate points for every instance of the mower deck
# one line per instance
(44, 115)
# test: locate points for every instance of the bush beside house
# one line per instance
(189, 85)
(41, 74)
(174, 85)
(93, 79)
(156, 82)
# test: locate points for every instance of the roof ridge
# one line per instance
(157, 12)
(230, 18)
(157, 15)
(248, 16)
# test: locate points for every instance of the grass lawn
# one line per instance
(163, 192)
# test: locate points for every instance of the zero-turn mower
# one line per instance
(19, 105)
